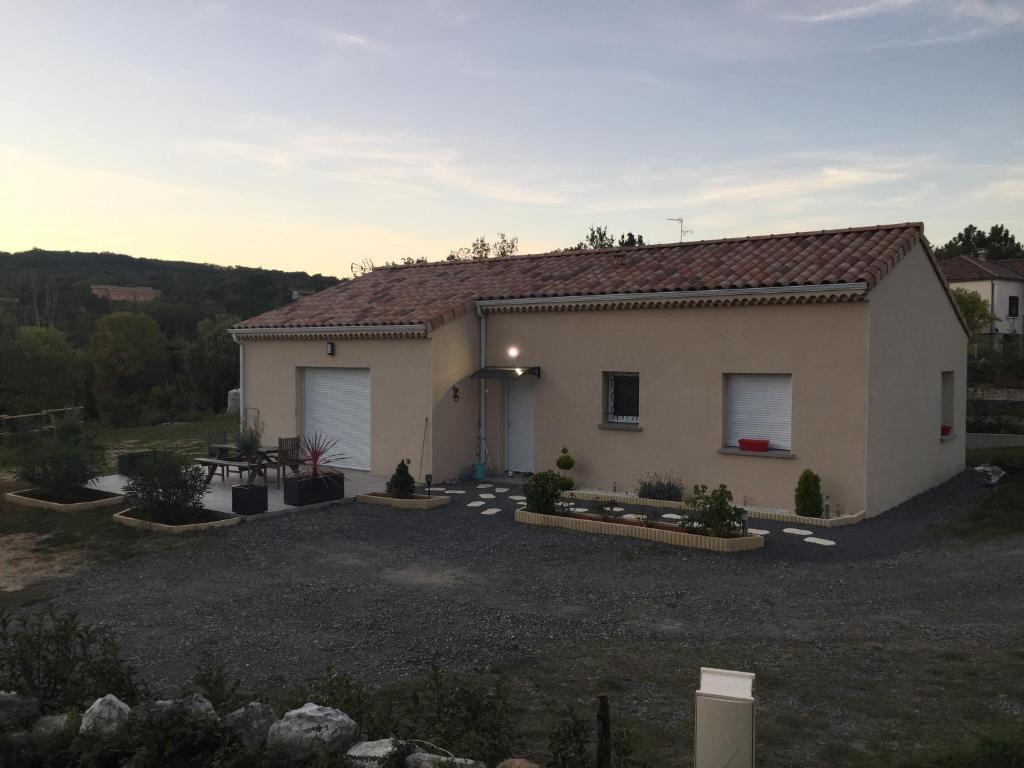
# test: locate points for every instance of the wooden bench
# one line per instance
(224, 465)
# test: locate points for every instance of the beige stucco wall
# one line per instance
(915, 335)
(453, 437)
(681, 356)
(401, 396)
(997, 293)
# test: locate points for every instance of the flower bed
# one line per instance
(416, 501)
(208, 520)
(658, 532)
(90, 498)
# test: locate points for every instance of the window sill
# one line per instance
(947, 438)
(770, 454)
(620, 427)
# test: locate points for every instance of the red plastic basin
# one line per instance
(752, 444)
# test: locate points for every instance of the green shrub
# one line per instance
(249, 442)
(63, 662)
(809, 501)
(212, 681)
(63, 463)
(715, 510)
(401, 485)
(565, 462)
(168, 488)
(655, 486)
(569, 745)
(543, 490)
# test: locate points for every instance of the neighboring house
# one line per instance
(1000, 283)
(843, 348)
(134, 293)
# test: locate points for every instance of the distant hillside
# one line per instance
(242, 291)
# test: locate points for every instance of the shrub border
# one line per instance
(147, 525)
(418, 501)
(17, 498)
(675, 538)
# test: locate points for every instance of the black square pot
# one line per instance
(248, 499)
(128, 463)
(312, 490)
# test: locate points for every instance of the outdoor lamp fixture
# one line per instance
(513, 352)
(430, 482)
(330, 348)
(455, 394)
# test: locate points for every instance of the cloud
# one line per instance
(990, 13)
(848, 12)
(342, 39)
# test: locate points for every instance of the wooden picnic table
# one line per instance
(226, 459)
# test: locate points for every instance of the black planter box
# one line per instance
(312, 490)
(128, 463)
(248, 499)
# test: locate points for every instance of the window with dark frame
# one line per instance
(622, 398)
(1014, 309)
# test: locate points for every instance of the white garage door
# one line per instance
(336, 403)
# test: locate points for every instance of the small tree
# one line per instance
(401, 485)
(976, 311)
(168, 488)
(809, 502)
(542, 492)
(63, 463)
(715, 510)
(565, 462)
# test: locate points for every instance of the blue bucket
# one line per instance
(479, 471)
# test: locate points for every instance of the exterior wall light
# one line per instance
(513, 351)
(330, 348)
(455, 394)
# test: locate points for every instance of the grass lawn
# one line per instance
(999, 513)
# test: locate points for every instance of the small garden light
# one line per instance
(430, 481)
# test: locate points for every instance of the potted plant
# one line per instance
(316, 482)
(250, 498)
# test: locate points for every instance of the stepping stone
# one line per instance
(438, 488)
(580, 509)
(618, 509)
(820, 542)
(491, 511)
(486, 495)
(518, 498)
(797, 531)
(501, 490)
(476, 504)
(671, 516)
(454, 491)
(759, 531)
(485, 485)
(632, 517)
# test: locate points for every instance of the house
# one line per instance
(133, 293)
(842, 348)
(1000, 283)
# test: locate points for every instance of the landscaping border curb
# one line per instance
(147, 525)
(418, 501)
(16, 498)
(761, 513)
(675, 538)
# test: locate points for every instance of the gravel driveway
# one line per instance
(377, 591)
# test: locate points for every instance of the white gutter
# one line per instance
(241, 384)
(482, 430)
(328, 329)
(611, 298)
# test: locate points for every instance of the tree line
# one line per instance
(127, 363)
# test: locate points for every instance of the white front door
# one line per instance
(519, 399)
(336, 404)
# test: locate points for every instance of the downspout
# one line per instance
(482, 428)
(992, 306)
(241, 384)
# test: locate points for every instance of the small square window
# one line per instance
(1014, 308)
(622, 398)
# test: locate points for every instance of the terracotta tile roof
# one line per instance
(436, 292)
(965, 268)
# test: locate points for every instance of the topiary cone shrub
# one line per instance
(401, 485)
(809, 502)
(565, 462)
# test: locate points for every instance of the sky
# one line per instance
(313, 135)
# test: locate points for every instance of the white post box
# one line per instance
(724, 720)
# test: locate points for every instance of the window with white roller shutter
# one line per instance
(759, 406)
(336, 404)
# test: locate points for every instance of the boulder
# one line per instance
(299, 732)
(105, 716)
(51, 732)
(517, 762)
(368, 754)
(195, 705)
(423, 760)
(250, 724)
(16, 709)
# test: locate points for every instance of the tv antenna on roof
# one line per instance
(683, 232)
(360, 269)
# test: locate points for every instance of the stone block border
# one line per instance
(675, 538)
(763, 513)
(624, 498)
(418, 501)
(19, 499)
(133, 522)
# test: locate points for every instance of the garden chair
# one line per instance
(289, 455)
